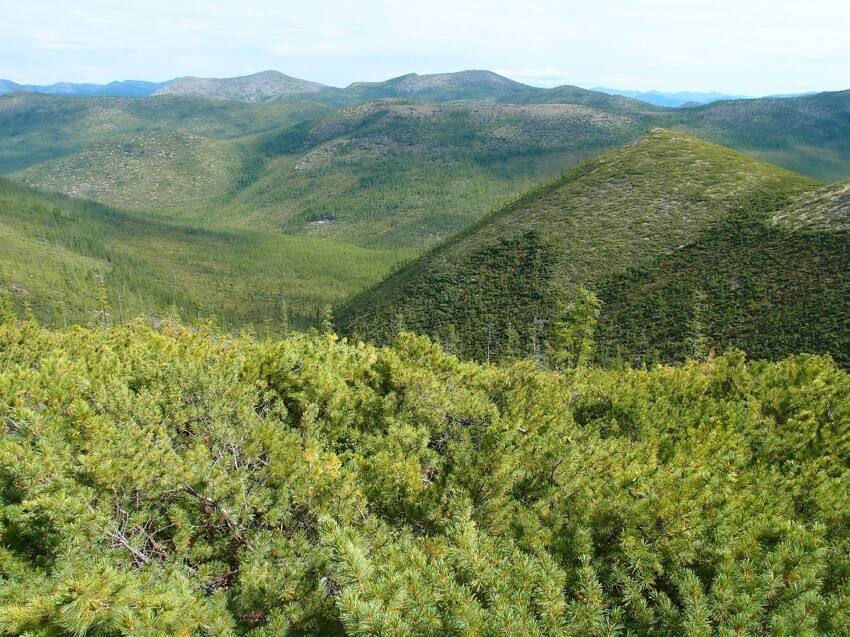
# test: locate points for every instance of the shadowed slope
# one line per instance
(770, 285)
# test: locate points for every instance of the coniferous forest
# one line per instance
(442, 355)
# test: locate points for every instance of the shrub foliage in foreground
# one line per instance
(169, 481)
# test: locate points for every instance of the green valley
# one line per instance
(71, 261)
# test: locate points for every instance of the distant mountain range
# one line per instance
(127, 88)
(474, 85)
(260, 87)
(441, 87)
(685, 99)
(673, 100)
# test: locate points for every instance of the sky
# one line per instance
(741, 47)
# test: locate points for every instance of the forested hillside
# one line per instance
(703, 211)
(806, 134)
(157, 172)
(180, 482)
(769, 287)
(382, 174)
(36, 128)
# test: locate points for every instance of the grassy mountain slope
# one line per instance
(36, 128)
(67, 259)
(494, 286)
(824, 209)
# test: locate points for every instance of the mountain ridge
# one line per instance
(273, 84)
(257, 87)
(674, 99)
(125, 88)
(475, 84)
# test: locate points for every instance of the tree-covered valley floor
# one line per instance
(173, 480)
(71, 261)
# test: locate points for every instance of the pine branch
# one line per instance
(120, 538)
(233, 526)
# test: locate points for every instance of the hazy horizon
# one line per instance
(623, 91)
(747, 47)
(165, 81)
